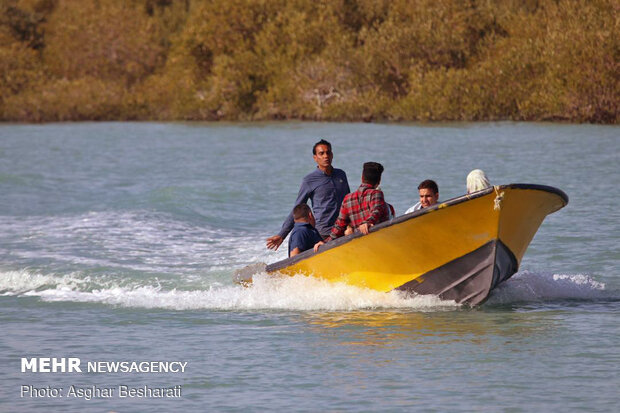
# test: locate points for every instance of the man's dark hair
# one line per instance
(371, 173)
(321, 142)
(301, 211)
(429, 184)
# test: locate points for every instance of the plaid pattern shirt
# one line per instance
(365, 205)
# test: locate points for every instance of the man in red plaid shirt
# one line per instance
(363, 208)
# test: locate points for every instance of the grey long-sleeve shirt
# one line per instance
(326, 193)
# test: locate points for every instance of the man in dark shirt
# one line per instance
(363, 208)
(325, 187)
(304, 235)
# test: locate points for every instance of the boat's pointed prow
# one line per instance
(470, 278)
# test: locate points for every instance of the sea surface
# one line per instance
(118, 242)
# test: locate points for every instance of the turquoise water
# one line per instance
(118, 242)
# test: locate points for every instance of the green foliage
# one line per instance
(106, 40)
(308, 59)
(557, 63)
(85, 98)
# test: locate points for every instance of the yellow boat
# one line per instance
(460, 249)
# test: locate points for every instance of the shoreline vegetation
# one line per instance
(332, 60)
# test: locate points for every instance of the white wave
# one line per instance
(137, 240)
(529, 286)
(24, 282)
(298, 293)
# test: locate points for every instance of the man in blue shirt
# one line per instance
(325, 187)
(304, 235)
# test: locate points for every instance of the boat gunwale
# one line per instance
(405, 217)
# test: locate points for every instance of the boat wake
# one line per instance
(529, 286)
(298, 293)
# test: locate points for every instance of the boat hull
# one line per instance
(458, 250)
(467, 279)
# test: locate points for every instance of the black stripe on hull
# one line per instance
(468, 279)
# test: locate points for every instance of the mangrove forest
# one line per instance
(344, 60)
